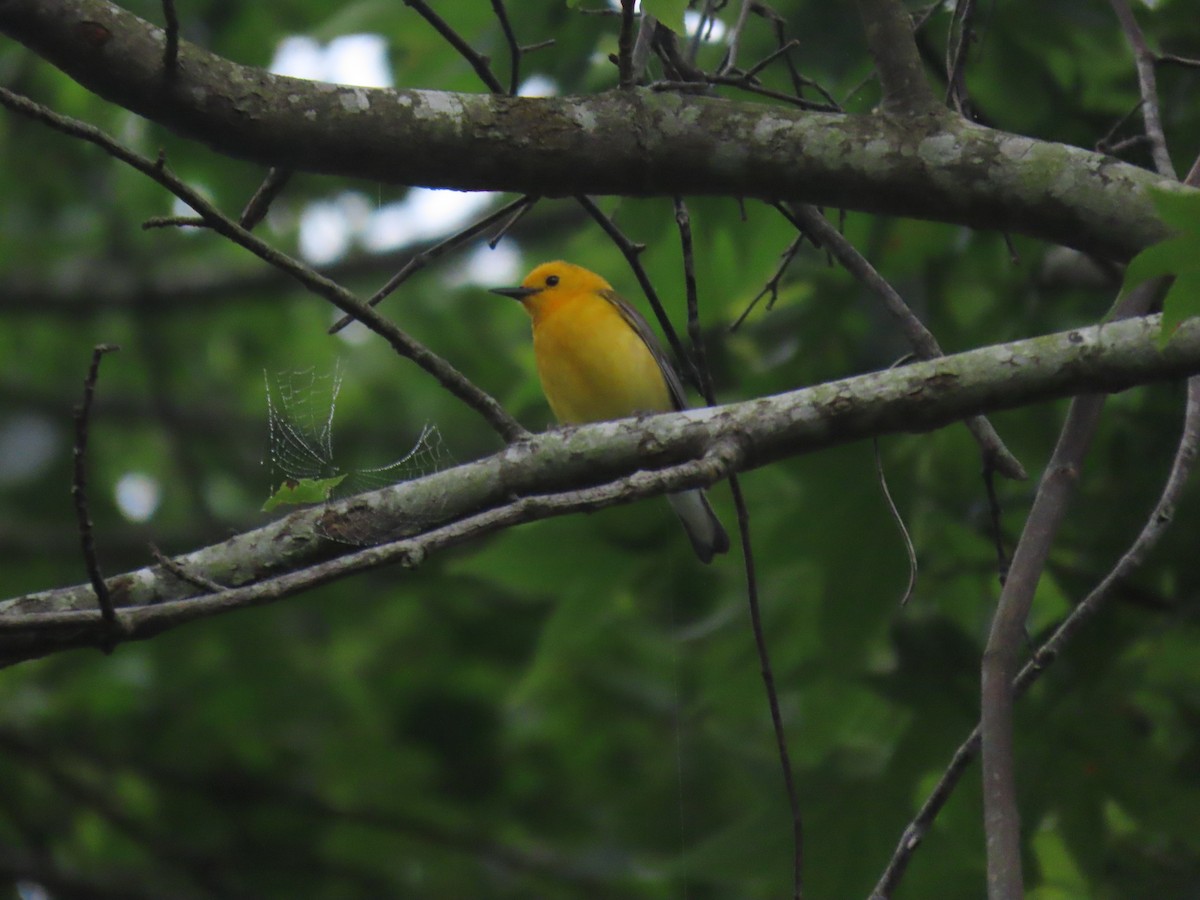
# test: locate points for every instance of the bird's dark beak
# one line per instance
(517, 293)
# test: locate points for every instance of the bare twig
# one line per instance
(735, 38)
(79, 488)
(703, 22)
(272, 186)
(425, 257)
(625, 43)
(631, 251)
(772, 285)
(1105, 144)
(174, 222)
(477, 61)
(924, 344)
(956, 54)
(782, 50)
(1143, 59)
(799, 82)
(1156, 525)
(514, 49)
(746, 84)
(521, 212)
(400, 341)
(1171, 58)
(683, 222)
(768, 677)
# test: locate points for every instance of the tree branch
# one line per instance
(744, 435)
(1156, 525)
(631, 142)
(889, 32)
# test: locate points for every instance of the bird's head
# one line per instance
(554, 281)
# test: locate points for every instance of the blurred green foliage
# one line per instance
(574, 707)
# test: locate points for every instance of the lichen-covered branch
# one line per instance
(633, 142)
(919, 397)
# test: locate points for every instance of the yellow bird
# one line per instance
(598, 359)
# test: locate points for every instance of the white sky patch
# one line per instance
(299, 57)
(138, 496)
(358, 59)
(489, 268)
(324, 233)
(355, 59)
(538, 86)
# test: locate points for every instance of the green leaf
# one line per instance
(1182, 302)
(669, 12)
(1179, 207)
(1174, 256)
(306, 490)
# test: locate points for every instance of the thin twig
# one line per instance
(625, 42)
(174, 222)
(909, 549)
(1173, 59)
(79, 489)
(742, 83)
(1105, 143)
(768, 677)
(695, 333)
(799, 82)
(272, 186)
(425, 257)
(522, 211)
(704, 21)
(924, 344)
(772, 285)
(683, 222)
(779, 51)
(477, 61)
(631, 251)
(956, 54)
(400, 341)
(1143, 59)
(171, 49)
(735, 38)
(514, 49)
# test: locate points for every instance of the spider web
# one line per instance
(301, 405)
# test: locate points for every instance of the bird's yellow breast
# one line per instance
(592, 364)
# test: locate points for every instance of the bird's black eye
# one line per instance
(551, 280)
